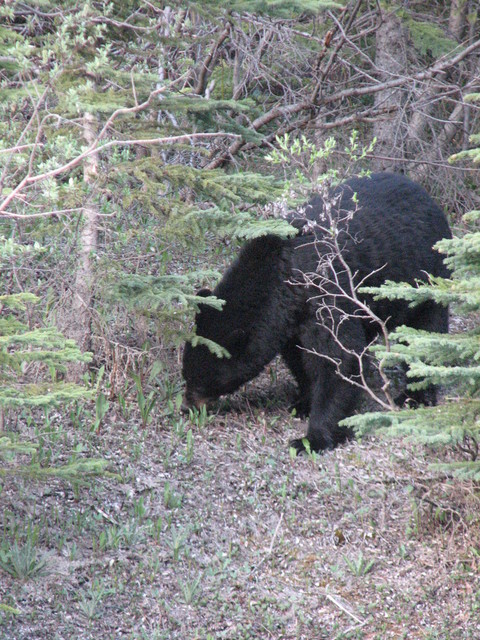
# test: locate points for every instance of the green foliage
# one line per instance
(299, 157)
(359, 566)
(145, 403)
(9, 610)
(468, 154)
(21, 347)
(241, 226)
(472, 155)
(430, 39)
(157, 200)
(155, 293)
(215, 348)
(448, 360)
(23, 562)
(32, 361)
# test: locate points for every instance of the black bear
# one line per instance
(294, 297)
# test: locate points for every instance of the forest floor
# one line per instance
(213, 531)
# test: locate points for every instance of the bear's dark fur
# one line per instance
(273, 304)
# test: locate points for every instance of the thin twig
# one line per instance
(336, 601)
(270, 549)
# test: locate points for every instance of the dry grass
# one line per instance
(221, 534)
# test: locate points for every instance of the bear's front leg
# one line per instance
(294, 359)
(332, 400)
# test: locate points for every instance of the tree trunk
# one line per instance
(457, 18)
(81, 321)
(391, 61)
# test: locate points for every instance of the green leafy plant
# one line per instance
(90, 599)
(359, 566)
(200, 417)
(189, 448)
(24, 561)
(145, 403)
(171, 499)
(177, 541)
(190, 589)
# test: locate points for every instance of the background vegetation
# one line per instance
(134, 145)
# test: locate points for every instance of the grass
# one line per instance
(215, 532)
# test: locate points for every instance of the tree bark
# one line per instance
(391, 62)
(457, 18)
(81, 328)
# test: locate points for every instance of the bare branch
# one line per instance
(47, 214)
(324, 72)
(273, 114)
(315, 106)
(442, 65)
(337, 301)
(205, 67)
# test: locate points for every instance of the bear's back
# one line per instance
(385, 222)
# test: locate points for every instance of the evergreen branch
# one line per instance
(18, 301)
(241, 226)
(9, 445)
(45, 395)
(212, 346)
(94, 149)
(467, 470)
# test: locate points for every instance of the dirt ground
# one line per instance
(214, 531)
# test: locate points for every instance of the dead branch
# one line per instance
(335, 284)
(273, 114)
(324, 72)
(440, 66)
(315, 105)
(206, 65)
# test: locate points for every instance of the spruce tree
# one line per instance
(108, 124)
(32, 360)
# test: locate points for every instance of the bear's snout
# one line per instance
(192, 400)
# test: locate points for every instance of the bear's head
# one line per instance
(208, 376)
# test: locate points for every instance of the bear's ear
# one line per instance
(204, 293)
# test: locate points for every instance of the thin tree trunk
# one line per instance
(457, 18)
(83, 285)
(391, 61)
